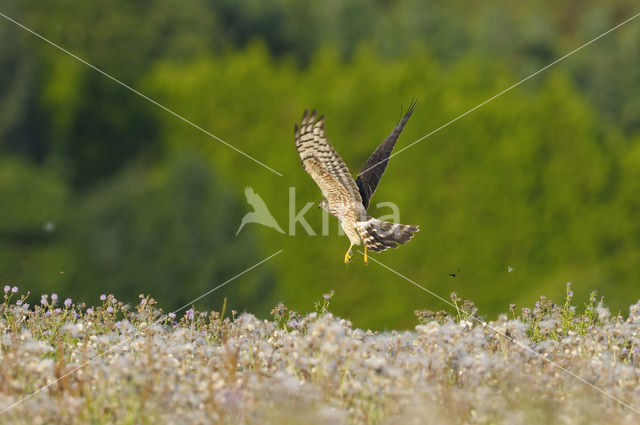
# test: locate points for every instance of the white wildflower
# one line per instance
(430, 328)
(603, 312)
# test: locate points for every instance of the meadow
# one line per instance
(121, 131)
(135, 364)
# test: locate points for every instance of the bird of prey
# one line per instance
(260, 213)
(345, 198)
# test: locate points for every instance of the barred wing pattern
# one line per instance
(342, 194)
(333, 191)
(323, 163)
(374, 168)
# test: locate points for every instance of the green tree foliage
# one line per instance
(543, 179)
(164, 231)
(529, 181)
(67, 111)
(33, 203)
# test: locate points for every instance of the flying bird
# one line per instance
(345, 198)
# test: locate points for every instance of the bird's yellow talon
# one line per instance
(366, 260)
(347, 256)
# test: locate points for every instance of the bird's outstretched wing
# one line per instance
(322, 162)
(375, 166)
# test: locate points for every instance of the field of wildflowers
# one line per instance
(150, 367)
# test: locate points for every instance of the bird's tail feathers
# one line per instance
(380, 235)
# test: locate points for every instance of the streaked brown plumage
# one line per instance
(345, 198)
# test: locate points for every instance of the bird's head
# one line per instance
(324, 204)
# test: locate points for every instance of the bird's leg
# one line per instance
(347, 256)
(366, 261)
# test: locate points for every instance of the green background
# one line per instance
(103, 192)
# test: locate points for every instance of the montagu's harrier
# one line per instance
(345, 198)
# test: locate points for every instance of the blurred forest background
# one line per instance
(103, 192)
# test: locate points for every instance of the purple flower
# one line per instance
(48, 313)
(103, 297)
(326, 296)
(143, 301)
(568, 284)
(570, 294)
(19, 302)
(7, 288)
(89, 310)
(14, 289)
(118, 325)
(293, 323)
(109, 309)
(67, 302)
(172, 316)
(54, 297)
(636, 351)
(189, 314)
(57, 311)
(43, 301)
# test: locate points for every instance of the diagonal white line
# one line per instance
(135, 334)
(504, 91)
(138, 93)
(611, 396)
